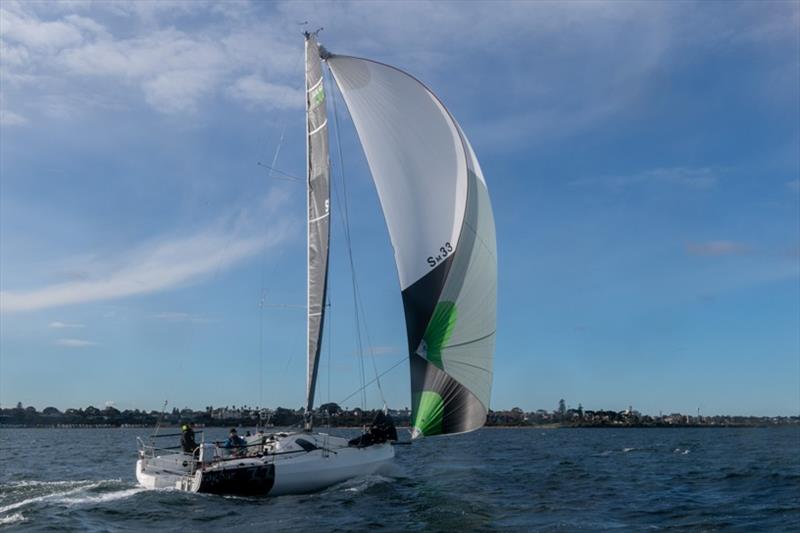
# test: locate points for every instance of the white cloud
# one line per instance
(75, 343)
(9, 118)
(16, 56)
(717, 248)
(152, 267)
(183, 52)
(255, 91)
(65, 325)
(37, 34)
(177, 91)
(87, 25)
(174, 69)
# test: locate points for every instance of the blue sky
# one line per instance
(642, 159)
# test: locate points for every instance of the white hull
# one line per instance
(287, 464)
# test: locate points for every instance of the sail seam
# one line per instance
(318, 218)
(451, 363)
(472, 341)
(483, 243)
(315, 85)
(315, 130)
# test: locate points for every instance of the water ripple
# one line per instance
(490, 480)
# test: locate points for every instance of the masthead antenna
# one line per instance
(314, 33)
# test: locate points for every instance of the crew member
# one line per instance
(188, 443)
(235, 441)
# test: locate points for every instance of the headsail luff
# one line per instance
(440, 221)
(318, 174)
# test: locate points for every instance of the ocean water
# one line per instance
(489, 480)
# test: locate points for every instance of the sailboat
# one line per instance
(437, 209)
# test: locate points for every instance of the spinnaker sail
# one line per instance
(318, 174)
(440, 222)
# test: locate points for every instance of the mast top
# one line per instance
(309, 34)
(323, 52)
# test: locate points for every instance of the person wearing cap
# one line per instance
(188, 443)
(235, 441)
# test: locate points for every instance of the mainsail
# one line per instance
(318, 174)
(440, 221)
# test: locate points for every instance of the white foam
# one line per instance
(626, 450)
(360, 484)
(32, 483)
(85, 485)
(102, 498)
(12, 519)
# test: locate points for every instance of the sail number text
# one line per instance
(442, 254)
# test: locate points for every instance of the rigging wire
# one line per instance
(377, 378)
(262, 297)
(285, 175)
(370, 347)
(262, 288)
(358, 302)
(330, 341)
(345, 215)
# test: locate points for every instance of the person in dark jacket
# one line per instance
(235, 442)
(381, 430)
(188, 443)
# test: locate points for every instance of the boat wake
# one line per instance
(12, 519)
(16, 497)
(103, 498)
(362, 483)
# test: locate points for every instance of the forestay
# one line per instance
(440, 222)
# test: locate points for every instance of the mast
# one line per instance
(318, 196)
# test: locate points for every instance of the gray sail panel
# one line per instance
(440, 221)
(472, 288)
(318, 174)
(416, 158)
(451, 379)
(440, 405)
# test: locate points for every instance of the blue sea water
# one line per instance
(490, 480)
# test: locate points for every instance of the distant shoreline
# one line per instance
(321, 427)
(332, 415)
